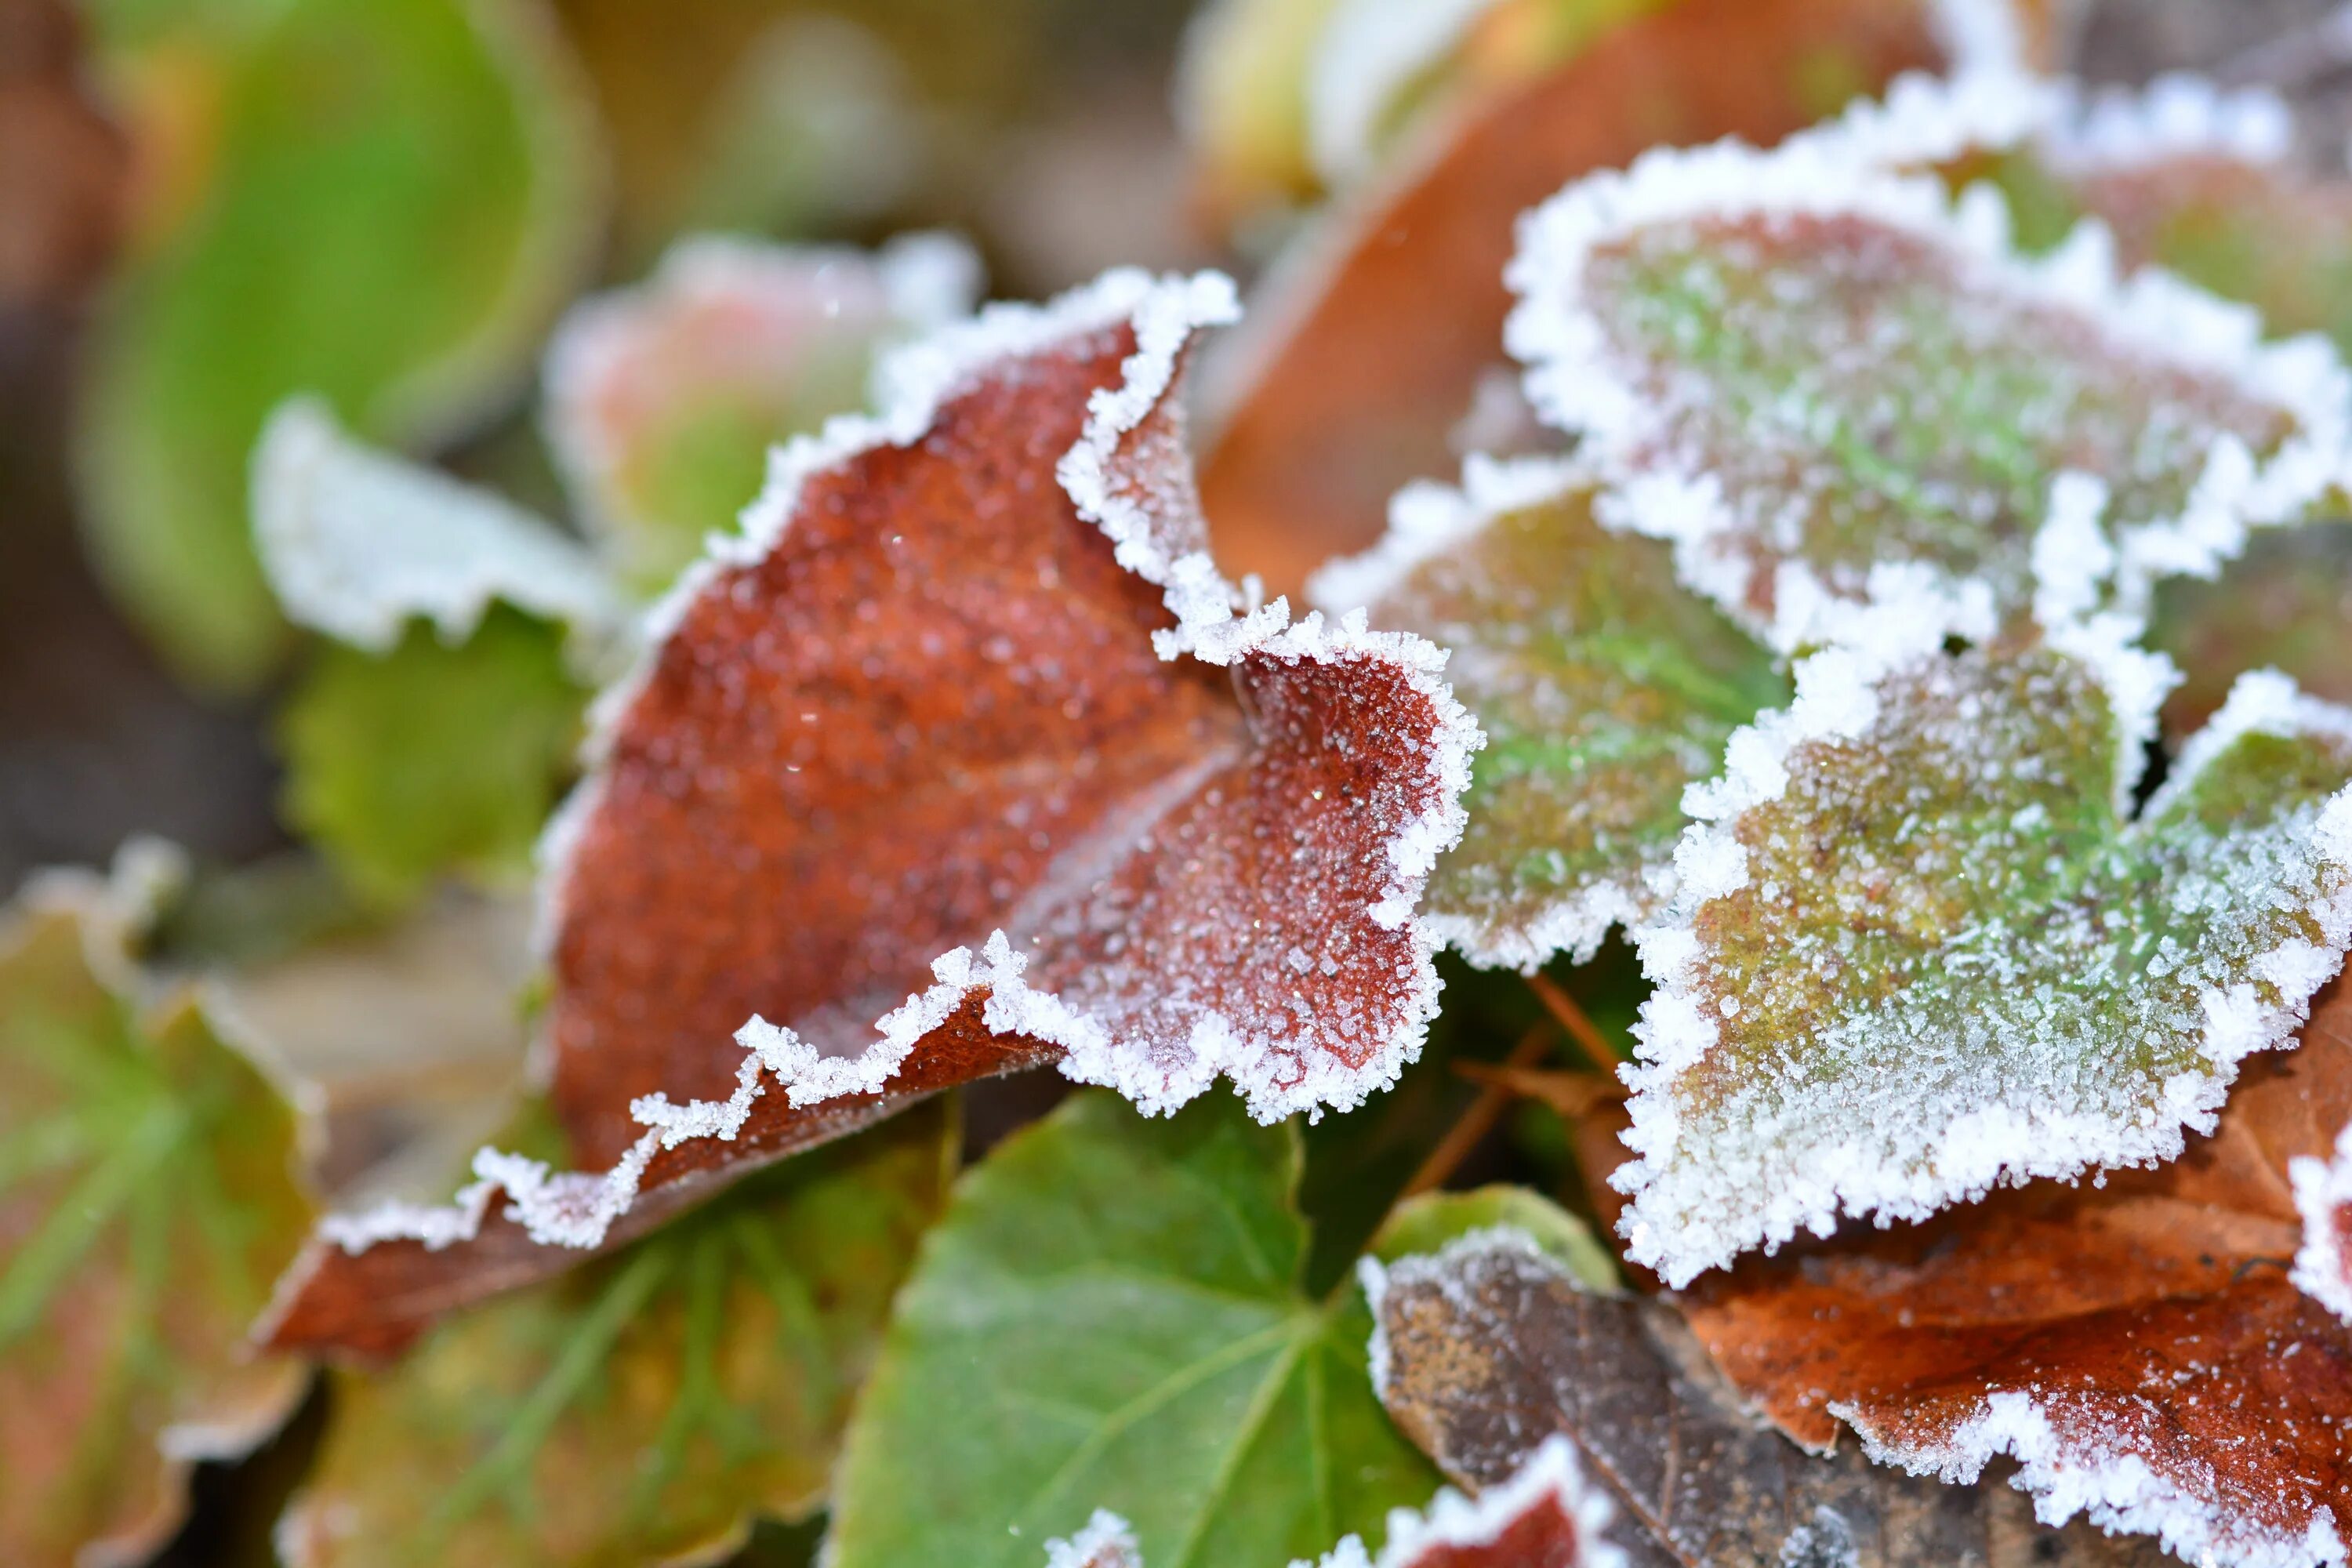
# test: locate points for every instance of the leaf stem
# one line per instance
(1478, 1120)
(1580, 1027)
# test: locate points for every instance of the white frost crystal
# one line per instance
(357, 543)
(2323, 1195)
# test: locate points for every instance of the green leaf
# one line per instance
(1110, 1316)
(1802, 369)
(1603, 685)
(646, 1409)
(147, 1200)
(1427, 1223)
(2285, 604)
(400, 197)
(432, 758)
(1923, 945)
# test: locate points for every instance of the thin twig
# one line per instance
(1479, 1119)
(1580, 1028)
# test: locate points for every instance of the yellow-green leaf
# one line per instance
(646, 1409)
(149, 1199)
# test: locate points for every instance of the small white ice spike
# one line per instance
(1546, 1516)
(2323, 1195)
(2071, 1472)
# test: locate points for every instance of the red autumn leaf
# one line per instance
(1384, 335)
(2137, 1348)
(920, 706)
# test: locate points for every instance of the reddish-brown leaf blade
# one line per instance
(2137, 1347)
(920, 711)
(1489, 1348)
(1379, 346)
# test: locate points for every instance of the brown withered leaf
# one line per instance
(64, 168)
(935, 701)
(1375, 345)
(1487, 1348)
(2138, 1348)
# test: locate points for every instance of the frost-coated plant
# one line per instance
(1896, 606)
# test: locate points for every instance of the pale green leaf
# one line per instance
(430, 758)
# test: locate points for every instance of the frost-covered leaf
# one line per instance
(1428, 1222)
(1374, 344)
(1800, 365)
(921, 705)
(1488, 1347)
(430, 758)
(358, 543)
(1104, 1542)
(2284, 604)
(1603, 685)
(148, 1195)
(1923, 946)
(644, 1409)
(1111, 1316)
(2137, 1348)
(2198, 180)
(664, 399)
(399, 194)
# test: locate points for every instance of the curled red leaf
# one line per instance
(969, 682)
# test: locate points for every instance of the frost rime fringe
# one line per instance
(1836, 700)
(357, 542)
(2113, 1489)
(2323, 1191)
(1107, 1541)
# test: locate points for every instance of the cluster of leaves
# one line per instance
(1810, 612)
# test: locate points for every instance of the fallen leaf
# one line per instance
(1924, 946)
(1803, 368)
(1374, 339)
(1487, 1348)
(2137, 1347)
(644, 1409)
(149, 1193)
(1111, 1316)
(399, 194)
(1604, 686)
(662, 399)
(930, 712)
